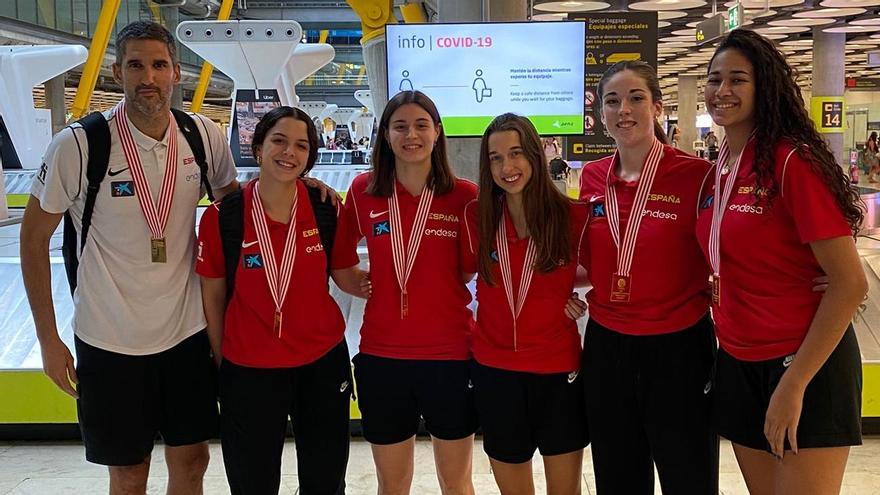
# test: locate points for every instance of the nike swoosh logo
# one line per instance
(572, 376)
(594, 197)
(377, 215)
(113, 173)
(248, 244)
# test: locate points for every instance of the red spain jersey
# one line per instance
(668, 273)
(312, 322)
(767, 266)
(544, 340)
(438, 323)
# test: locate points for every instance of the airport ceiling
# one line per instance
(788, 22)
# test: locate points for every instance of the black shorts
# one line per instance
(125, 401)
(832, 407)
(648, 405)
(393, 394)
(521, 411)
(255, 404)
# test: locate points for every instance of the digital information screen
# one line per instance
(475, 72)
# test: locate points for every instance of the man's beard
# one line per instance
(149, 106)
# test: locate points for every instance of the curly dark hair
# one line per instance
(781, 115)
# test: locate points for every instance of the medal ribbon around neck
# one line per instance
(525, 279)
(719, 206)
(626, 250)
(405, 259)
(156, 219)
(278, 282)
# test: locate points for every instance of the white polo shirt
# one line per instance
(124, 302)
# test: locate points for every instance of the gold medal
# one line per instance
(157, 250)
(620, 287)
(715, 280)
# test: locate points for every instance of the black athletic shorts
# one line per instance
(832, 408)
(254, 406)
(125, 401)
(394, 394)
(520, 412)
(648, 405)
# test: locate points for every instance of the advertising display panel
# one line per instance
(250, 106)
(474, 72)
(610, 37)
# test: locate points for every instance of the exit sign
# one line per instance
(735, 17)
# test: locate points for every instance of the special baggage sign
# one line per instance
(610, 37)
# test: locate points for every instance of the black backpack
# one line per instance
(231, 220)
(98, 137)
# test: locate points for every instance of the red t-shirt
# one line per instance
(767, 266)
(545, 339)
(312, 323)
(439, 322)
(668, 271)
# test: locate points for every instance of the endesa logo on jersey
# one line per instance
(252, 261)
(452, 234)
(381, 228)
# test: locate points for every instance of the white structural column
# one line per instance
(55, 102)
(829, 71)
(687, 112)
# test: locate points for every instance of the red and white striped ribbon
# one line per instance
(719, 205)
(626, 250)
(157, 218)
(405, 259)
(278, 282)
(517, 301)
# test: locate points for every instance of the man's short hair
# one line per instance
(144, 30)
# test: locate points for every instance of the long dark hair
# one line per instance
(441, 178)
(276, 114)
(780, 114)
(647, 74)
(546, 209)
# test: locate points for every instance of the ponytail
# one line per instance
(659, 134)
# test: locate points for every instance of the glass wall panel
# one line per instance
(7, 9)
(27, 11)
(46, 13)
(80, 18)
(64, 15)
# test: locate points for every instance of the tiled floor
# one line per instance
(60, 469)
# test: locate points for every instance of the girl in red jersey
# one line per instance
(414, 354)
(787, 388)
(283, 351)
(524, 239)
(648, 348)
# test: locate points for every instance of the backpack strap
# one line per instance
(98, 138)
(231, 221)
(187, 126)
(325, 217)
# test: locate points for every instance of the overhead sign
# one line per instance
(827, 113)
(610, 37)
(862, 83)
(735, 17)
(711, 29)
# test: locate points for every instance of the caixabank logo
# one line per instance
(381, 228)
